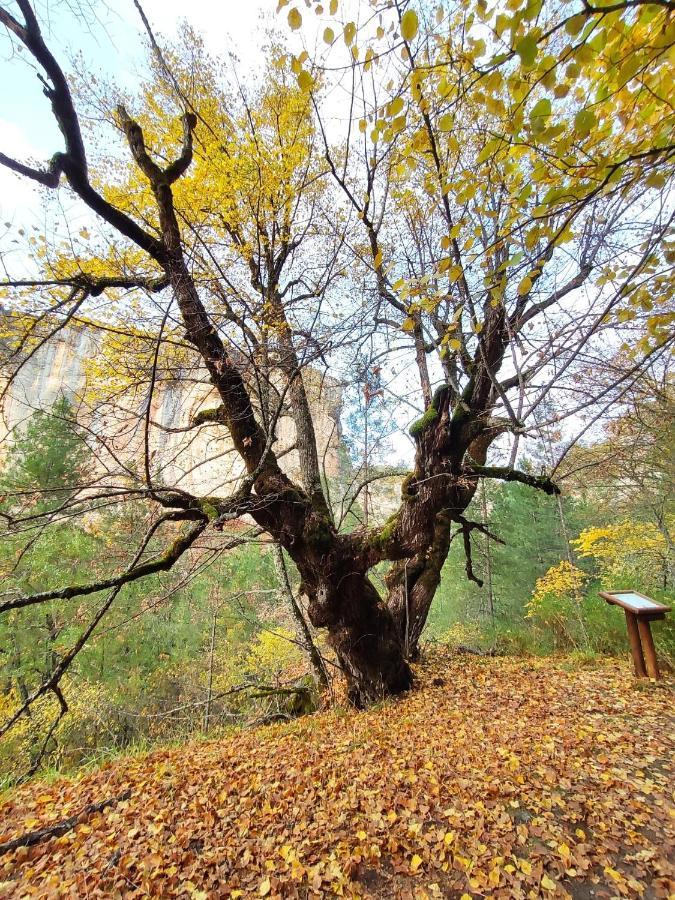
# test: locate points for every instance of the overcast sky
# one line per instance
(110, 38)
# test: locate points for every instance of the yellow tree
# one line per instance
(512, 224)
(500, 231)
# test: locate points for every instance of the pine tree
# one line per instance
(48, 461)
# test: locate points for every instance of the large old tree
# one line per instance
(484, 194)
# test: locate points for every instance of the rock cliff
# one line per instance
(199, 460)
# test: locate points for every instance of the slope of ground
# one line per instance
(494, 778)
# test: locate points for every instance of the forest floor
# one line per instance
(493, 778)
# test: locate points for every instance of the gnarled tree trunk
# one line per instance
(412, 584)
(363, 634)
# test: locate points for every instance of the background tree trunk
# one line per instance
(302, 631)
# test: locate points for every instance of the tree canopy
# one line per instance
(479, 196)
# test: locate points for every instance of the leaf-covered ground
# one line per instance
(495, 777)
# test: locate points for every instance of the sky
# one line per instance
(110, 37)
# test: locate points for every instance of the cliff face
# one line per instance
(200, 460)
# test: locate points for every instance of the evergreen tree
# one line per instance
(48, 461)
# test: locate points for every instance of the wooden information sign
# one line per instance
(640, 611)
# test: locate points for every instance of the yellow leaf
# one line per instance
(446, 122)
(264, 887)
(525, 286)
(409, 25)
(547, 883)
(349, 33)
(333, 7)
(415, 863)
(305, 81)
(329, 35)
(295, 19)
(396, 106)
(525, 867)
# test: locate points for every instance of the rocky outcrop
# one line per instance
(200, 460)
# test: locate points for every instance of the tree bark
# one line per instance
(412, 585)
(441, 500)
(363, 634)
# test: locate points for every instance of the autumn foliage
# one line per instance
(555, 784)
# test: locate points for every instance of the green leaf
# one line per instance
(584, 122)
(527, 51)
(541, 110)
(574, 25)
(488, 150)
(532, 10)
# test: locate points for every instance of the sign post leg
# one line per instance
(645, 632)
(635, 645)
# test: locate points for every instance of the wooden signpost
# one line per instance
(640, 611)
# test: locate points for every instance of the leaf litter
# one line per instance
(495, 777)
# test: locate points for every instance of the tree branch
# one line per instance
(162, 564)
(505, 473)
(31, 838)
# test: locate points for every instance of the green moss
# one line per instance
(420, 424)
(320, 532)
(385, 534)
(213, 414)
(209, 510)
(169, 554)
(406, 493)
(431, 412)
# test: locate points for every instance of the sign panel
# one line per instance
(634, 602)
